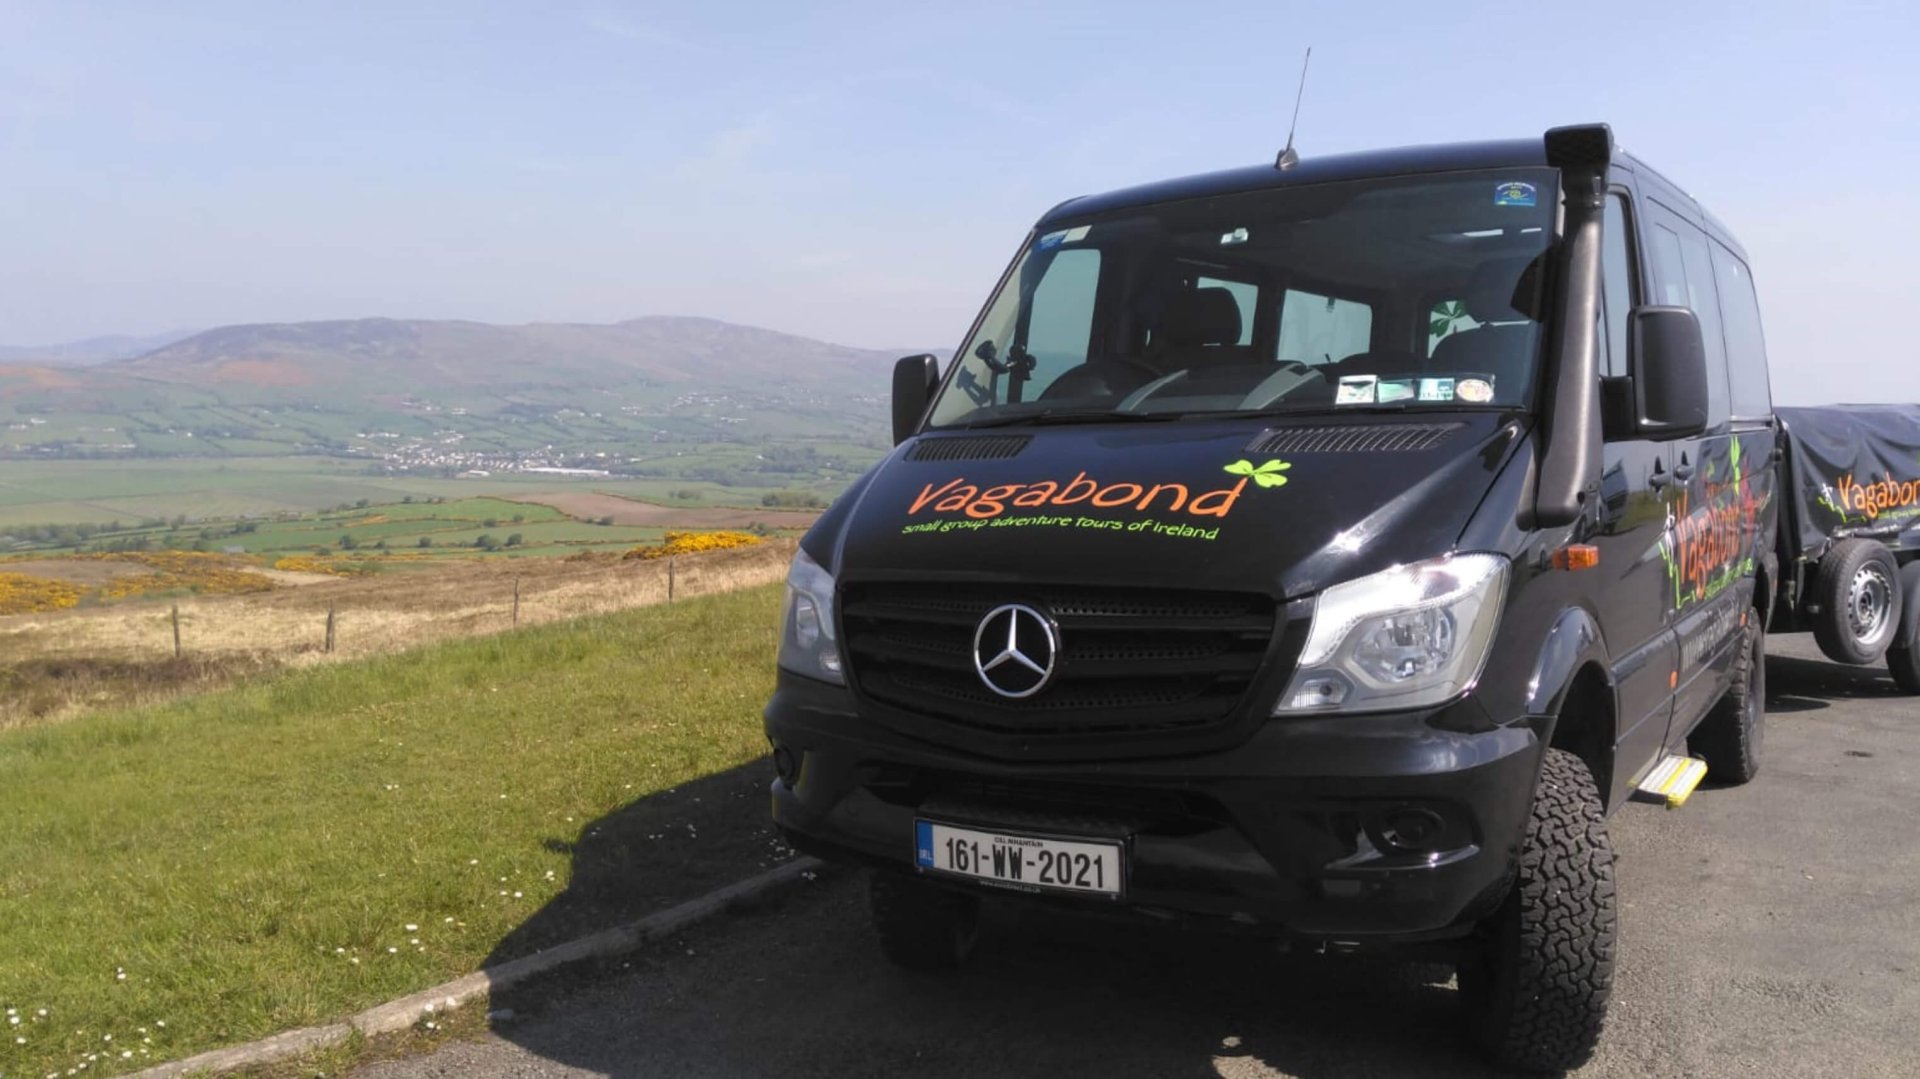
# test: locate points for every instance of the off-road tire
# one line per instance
(1537, 982)
(1833, 593)
(921, 926)
(1729, 738)
(1903, 659)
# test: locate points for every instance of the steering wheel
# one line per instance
(1092, 378)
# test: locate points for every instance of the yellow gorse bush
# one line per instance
(21, 594)
(303, 563)
(197, 571)
(693, 543)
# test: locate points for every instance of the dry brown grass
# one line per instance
(59, 664)
(592, 505)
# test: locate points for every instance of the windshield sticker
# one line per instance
(959, 506)
(1065, 236)
(1397, 389)
(1436, 389)
(1355, 390)
(1476, 391)
(1513, 193)
(1234, 238)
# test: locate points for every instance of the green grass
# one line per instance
(232, 854)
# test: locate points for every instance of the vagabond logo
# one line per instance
(988, 503)
(1880, 496)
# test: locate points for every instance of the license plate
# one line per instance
(1019, 861)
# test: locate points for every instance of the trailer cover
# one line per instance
(1853, 470)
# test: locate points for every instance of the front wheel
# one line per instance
(1537, 983)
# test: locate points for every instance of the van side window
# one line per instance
(1245, 294)
(1669, 269)
(1683, 275)
(1061, 325)
(1617, 279)
(1316, 329)
(1746, 348)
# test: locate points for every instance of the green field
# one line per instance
(286, 852)
(99, 492)
(454, 524)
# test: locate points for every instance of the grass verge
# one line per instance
(55, 666)
(288, 851)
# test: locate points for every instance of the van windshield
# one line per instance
(1404, 292)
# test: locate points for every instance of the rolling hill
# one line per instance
(450, 396)
(90, 351)
(414, 355)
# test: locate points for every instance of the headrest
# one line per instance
(1201, 316)
(1504, 290)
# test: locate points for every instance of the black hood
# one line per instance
(1286, 508)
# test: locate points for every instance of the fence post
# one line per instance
(670, 574)
(516, 599)
(176, 631)
(329, 627)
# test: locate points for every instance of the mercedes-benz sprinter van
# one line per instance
(1321, 550)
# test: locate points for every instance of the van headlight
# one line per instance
(806, 641)
(1406, 637)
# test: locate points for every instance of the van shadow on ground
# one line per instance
(1803, 680)
(796, 987)
(655, 852)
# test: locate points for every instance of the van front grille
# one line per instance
(1132, 661)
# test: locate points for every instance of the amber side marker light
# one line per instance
(1576, 556)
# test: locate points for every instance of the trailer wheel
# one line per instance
(1903, 659)
(1537, 983)
(1857, 587)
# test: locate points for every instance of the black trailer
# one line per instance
(1850, 533)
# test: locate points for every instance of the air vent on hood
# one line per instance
(1355, 438)
(982, 448)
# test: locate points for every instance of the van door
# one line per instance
(1706, 558)
(1632, 596)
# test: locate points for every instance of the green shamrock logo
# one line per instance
(1267, 475)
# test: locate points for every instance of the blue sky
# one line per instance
(861, 172)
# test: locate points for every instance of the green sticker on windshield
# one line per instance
(1514, 193)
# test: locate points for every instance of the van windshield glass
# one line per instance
(1403, 292)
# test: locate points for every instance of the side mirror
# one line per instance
(914, 380)
(1665, 395)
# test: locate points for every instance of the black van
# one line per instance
(1320, 550)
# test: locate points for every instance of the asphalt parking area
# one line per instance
(1772, 929)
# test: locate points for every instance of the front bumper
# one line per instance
(1358, 829)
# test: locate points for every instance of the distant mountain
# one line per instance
(90, 351)
(411, 355)
(654, 394)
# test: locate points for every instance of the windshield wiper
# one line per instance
(1299, 408)
(1048, 416)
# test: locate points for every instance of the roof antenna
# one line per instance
(1290, 157)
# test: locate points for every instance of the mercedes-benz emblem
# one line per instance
(1014, 650)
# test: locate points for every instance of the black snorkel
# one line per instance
(1569, 468)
